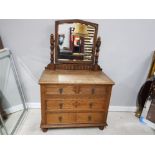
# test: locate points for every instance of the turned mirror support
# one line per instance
(96, 67)
(52, 48)
(51, 65)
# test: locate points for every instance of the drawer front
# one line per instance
(75, 105)
(74, 118)
(60, 89)
(78, 90)
(93, 90)
(61, 118)
(97, 104)
(151, 113)
(60, 104)
(90, 117)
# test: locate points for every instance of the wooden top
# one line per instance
(74, 77)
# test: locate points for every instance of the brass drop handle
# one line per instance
(90, 105)
(61, 105)
(61, 90)
(89, 118)
(60, 118)
(93, 91)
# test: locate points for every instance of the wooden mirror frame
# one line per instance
(59, 22)
(70, 65)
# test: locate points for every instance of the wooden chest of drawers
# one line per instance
(74, 99)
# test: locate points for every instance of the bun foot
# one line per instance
(44, 129)
(101, 127)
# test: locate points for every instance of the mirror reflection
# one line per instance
(75, 42)
(12, 105)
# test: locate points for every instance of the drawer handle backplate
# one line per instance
(61, 105)
(90, 105)
(60, 118)
(89, 118)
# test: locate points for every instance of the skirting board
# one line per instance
(36, 105)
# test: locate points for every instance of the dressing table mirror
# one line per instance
(75, 40)
(74, 90)
(75, 46)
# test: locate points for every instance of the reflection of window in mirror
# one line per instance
(64, 37)
(61, 40)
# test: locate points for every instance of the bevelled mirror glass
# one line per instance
(75, 40)
(12, 102)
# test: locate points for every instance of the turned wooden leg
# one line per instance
(101, 127)
(44, 129)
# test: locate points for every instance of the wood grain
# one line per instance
(74, 99)
(74, 77)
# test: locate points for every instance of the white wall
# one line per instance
(125, 54)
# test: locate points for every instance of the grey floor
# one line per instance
(12, 120)
(119, 123)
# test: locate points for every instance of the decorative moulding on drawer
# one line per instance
(33, 105)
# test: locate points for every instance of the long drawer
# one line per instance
(90, 117)
(61, 118)
(75, 118)
(60, 104)
(76, 90)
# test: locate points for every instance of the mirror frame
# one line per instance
(57, 23)
(15, 72)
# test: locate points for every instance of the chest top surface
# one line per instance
(74, 77)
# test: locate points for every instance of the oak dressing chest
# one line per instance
(74, 90)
